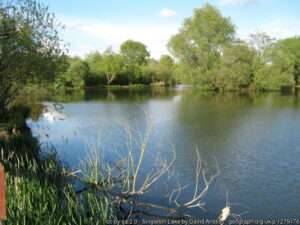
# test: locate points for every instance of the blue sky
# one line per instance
(98, 24)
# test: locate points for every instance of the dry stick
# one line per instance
(193, 203)
(151, 179)
(141, 159)
(144, 213)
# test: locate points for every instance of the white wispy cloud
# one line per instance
(88, 35)
(165, 12)
(279, 29)
(238, 2)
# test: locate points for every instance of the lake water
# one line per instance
(255, 140)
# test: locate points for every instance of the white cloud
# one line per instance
(85, 36)
(278, 29)
(237, 2)
(281, 29)
(167, 13)
(90, 35)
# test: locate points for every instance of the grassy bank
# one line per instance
(38, 190)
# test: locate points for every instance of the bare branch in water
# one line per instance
(125, 183)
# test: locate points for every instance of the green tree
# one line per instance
(165, 70)
(167, 61)
(112, 65)
(134, 52)
(96, 74)
(236, 67)
(278, 71)
(292, 46)
(149, 71)
(199, 43)
(135, 56)
(30, 48)
(76, 74)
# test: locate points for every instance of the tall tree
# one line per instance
(135, 55)
(260, 41)
(200, 42)
(134, 52)
(30, 47)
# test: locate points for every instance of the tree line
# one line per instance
(132, 65)
(205, 52)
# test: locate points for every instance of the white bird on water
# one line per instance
(51, 114)
(224, 215)
(226, 211)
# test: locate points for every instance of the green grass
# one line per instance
(38, 192)
(31, 201)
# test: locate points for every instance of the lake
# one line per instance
(255, 140)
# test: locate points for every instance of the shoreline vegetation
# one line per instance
(40, 188)
(39, 191)
(205, 54)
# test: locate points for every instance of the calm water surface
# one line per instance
(255, 139)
